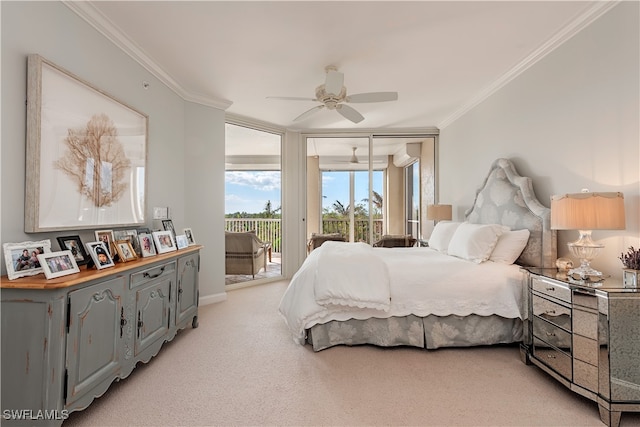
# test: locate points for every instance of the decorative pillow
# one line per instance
(475, 242)
(441, 235)
(510, 245)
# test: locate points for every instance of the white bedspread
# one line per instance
(421, 281)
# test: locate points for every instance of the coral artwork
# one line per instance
(96, 162)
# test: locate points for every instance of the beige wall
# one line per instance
(313, 195)
(394, 199)
(427, 184)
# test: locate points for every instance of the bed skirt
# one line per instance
(429, 332)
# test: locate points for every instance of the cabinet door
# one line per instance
(93, 340)
(152, 313)
(187, 293)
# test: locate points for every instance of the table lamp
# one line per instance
(585, 212)
(439, 212)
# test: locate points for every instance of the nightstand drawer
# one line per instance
(551, 289)
(552, 334)
(553, 358)
(585, 375)
(552, 312)
(585, 349)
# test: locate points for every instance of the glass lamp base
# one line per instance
(585, 249)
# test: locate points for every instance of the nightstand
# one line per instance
(586, 336)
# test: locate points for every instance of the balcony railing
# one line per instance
(270, 230)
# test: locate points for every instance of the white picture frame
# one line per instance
(182, 241)
(164, 241)
(17, 266)
(190, 237)
(100, 254)
(147, 246)
(58, 264)
(59, 194)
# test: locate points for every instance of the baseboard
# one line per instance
(212, 299)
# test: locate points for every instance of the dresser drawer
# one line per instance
(551, 289)
(552, 357)
(149, 274)
(585, 375)
(585, 349)
(553, 312)
(552, 334)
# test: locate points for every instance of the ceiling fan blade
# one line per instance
(291, 98)
(349, 113)
(373, 97)
(308, 113)
(333, 83)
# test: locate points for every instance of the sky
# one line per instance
(249, 191)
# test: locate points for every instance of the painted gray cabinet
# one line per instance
(65, 340)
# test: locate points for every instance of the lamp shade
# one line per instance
(587, 211)
(439, 212)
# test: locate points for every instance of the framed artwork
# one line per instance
(74, 244)
(182, 241)
(86, 154)
(187, 232)
(147, 247)
(108, 238)
(125, 250)
(100, 255)
(56, 264)
(21, 259)
(167, 224)
(164, 241)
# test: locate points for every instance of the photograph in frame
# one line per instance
(182, 241)
(21, 259)
(58, 264)
(89, 170)
(107, 237)
(100, 255)
(147, 246)
(167, 224)
(164, 241)
(131, 236)
(125, 250)
(190, 237)
(74, 244)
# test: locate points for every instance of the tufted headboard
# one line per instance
(507, 198)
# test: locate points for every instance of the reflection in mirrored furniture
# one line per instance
(585, 335)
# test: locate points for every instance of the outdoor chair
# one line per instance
(395, 241)
(245, 253)
(316, 240)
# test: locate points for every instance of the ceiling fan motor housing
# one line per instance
(330, 100)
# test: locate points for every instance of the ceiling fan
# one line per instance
(333, 96)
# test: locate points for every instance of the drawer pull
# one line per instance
(551, 356)
(149, 276)
(550, 312)
(550, 289)
(551, 334)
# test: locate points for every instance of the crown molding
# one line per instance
(104, 26)
(581, 22)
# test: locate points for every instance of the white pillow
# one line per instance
(510, 245)
(441, 235)
(475, 242)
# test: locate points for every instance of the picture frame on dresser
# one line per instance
(182, 241)
(74, 244)
(108, 238)
(89, 124)
(147, 247)
(125, 250)
(100, 255)
(164, 241)
(21, 259)
(190, 237)
(58, 264)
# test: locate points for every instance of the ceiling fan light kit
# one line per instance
(333, 96)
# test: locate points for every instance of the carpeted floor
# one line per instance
(241, 367)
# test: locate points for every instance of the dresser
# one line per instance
(65, 340)
(587, 336)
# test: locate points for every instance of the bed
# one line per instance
(466, 289)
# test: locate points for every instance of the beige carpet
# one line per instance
(240, 367)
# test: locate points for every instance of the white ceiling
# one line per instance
(442, 57)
